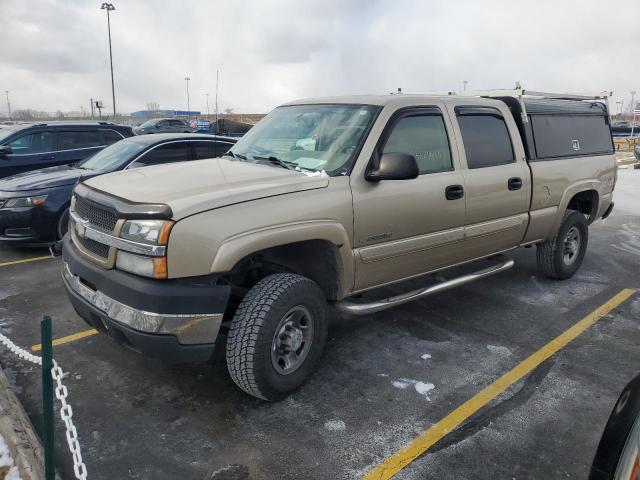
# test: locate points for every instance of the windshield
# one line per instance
(148, 123)
(309, 137)
(6, 132)
(113, 156)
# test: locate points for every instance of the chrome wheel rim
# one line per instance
(292, 340)
(571, 247)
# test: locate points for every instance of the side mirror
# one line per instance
(394, 166)
(5, 150)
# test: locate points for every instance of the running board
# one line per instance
(355, 308)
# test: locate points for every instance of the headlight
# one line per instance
(154, 267)
(25, 201)
(151, 232)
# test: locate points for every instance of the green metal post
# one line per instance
(47, 396)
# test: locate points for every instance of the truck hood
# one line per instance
(193, 187)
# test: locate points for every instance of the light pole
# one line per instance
(207, 95)
(633, 112)
(109, 8)
(188, 104)
(6, 92)
(217, 76)
(464, 85)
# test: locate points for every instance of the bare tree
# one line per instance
(153, 106)
(228, 111)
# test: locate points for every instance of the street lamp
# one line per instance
(464, 85)
(633, 112)
(6, 92)
(188, 105)
(109, 8)
(207, 95)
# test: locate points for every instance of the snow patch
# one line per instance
(335, 425)
(422, 388)
(7, 461)
(499, 350)
(426, 356)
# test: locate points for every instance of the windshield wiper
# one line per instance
(278, 161)
(239, 156)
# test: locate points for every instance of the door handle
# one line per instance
(514, 183)
(454, 192)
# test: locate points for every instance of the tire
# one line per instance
(260, 345)
(561, 256)
(63, 224)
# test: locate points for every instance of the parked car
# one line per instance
(164, 125)
(324, 200)
(38, 145)
(618, 454)
(34, 205)
(202, 126)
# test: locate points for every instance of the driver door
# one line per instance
(29, 151)
(404, 228)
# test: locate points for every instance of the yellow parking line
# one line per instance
(25, 260)
(403, 457)
(68, 339)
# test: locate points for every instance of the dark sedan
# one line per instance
(34, 206)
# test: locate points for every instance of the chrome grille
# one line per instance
(97, 248)
(98, 217)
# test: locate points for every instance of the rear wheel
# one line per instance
(277, 336)
(561, 256)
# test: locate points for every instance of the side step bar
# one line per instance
(502, 263)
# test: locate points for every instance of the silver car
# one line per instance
(164, 125)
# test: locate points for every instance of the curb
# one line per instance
(18, 433)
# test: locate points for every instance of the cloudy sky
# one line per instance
(54, 53)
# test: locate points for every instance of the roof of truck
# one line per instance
(375, 99)
(534, 106)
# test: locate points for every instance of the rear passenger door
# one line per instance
(497, 180)
(405, 228)
(30, 151)
(76, 145)
(163, 153)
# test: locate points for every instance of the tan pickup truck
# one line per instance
(326, 199)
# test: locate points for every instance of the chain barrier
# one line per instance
(66, 412)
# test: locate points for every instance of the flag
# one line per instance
(636, 110)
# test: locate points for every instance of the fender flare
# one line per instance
(235, 248)
(569, 193)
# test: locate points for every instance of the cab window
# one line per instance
(75, 139)
(486, 140)
(424, 137)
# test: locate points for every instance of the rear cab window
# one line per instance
(485, 137)
(422, 133)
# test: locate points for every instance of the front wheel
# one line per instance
(277, 335)
(561, 256)
(63, 224)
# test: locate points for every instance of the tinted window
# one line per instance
(110, 136)
(38, 142)
(171, 152)
(222, 148)
(205, 149)
(570, 135)
(424, 137)
(486, 140)
(78, 139)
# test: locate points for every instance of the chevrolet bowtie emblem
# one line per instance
(81, 227)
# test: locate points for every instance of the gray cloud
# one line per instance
(54, 54)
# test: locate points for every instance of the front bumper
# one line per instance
(174, 320)
(22, 225)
